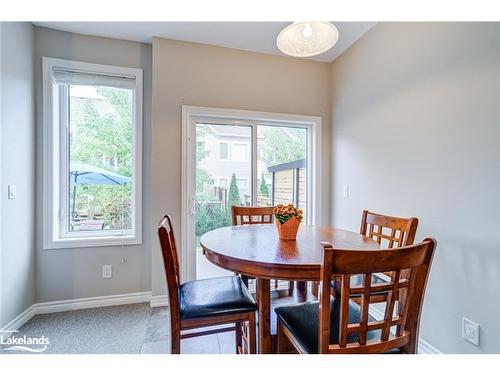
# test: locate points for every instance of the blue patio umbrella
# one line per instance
(81, 173)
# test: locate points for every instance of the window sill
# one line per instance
(104, 241)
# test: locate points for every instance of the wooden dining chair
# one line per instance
(204, 303)
(244, 215)
(337, 325)
(388, 231)
(399, 231)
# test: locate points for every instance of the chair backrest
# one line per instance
(242, 215)
(171, 265)
(398, 327)
(399, 231)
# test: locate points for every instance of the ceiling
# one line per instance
(249, 36)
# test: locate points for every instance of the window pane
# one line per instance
(100, 158)
(223, 151)
(282, 166)
(240, 152)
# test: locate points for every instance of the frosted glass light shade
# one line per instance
(306, 39)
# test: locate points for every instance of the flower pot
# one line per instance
(287, 230)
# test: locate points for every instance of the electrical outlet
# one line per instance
(107, 271)
(470, 331)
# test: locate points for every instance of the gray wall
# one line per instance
(202, 75)
(76, 273)
(17, 167)
(415, 113)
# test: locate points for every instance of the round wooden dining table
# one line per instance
(256, 251)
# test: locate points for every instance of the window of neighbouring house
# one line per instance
(240, 152)
(93, 127)
(242, 183)
(223, 182)
(223, 151)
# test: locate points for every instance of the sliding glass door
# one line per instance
(224, 174)
(242, 162)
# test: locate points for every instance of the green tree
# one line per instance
(203, 178)
(103, 133)
(281, 145)
(209, 217)
(263, 190)
(233, 198)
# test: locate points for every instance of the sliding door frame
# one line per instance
(223, 116)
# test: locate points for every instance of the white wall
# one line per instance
(17, 167)
(202, 75)
(76, 273)
(415, 114)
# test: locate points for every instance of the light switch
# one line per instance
(345, 191)
(12, 191)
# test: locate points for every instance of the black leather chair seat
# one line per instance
(214, 297)
(303, 320)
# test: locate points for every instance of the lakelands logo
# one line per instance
(12, 343)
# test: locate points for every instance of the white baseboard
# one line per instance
(159, 301)
(74, 304)
(92, 302)
(423, 346)
(18, 321)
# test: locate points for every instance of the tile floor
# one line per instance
(157, 338)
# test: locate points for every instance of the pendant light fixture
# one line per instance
(306, 39)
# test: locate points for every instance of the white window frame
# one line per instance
(223, 116)
(242, 179)
(55, 151)
(228, 150)
(223, 178)
(246, 153)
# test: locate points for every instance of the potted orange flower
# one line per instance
(287, 221)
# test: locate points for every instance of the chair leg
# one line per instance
(252, 334)
(176, 342)
(411, 347)
(280, 339)
(291, 285)
(238, 338)
(315, 288)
